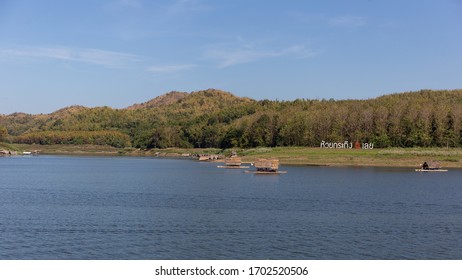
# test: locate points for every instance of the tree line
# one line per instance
(111, 138)
(213, 118)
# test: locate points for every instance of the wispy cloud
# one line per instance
(170, 68)
(83, 55)
(347, 21)
(230, 57)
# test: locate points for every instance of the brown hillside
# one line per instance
(65, 112)
(162, 100)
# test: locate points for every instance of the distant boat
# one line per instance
(430, 167)
(27, 153)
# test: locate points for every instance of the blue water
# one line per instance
(54, 207)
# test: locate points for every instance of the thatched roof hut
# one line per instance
(233, 161)
(269, 165)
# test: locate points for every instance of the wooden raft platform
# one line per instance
(266, 172)
(233, 166)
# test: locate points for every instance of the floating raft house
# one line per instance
(233, 162)
(267, 166)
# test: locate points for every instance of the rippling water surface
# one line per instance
(55, 207)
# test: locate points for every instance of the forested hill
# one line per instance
(214, 118)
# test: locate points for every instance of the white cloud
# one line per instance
(83, 55)
(230, 57)
(347, 21)
(170, 68)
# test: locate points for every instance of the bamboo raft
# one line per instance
(266, 172)
(233, 167)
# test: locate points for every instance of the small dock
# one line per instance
(207, 157)
(16, 153)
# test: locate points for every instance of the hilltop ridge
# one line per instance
(219, 119)
(162, 100)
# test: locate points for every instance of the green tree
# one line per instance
(3, 134)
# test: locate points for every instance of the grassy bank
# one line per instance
(8, 147)
(405, 157)
(399, 157)
(69, 149)
(100, 150)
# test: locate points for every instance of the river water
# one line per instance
(56, 207)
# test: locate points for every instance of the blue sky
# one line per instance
(119, 52)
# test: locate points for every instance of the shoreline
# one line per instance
(295, 156)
